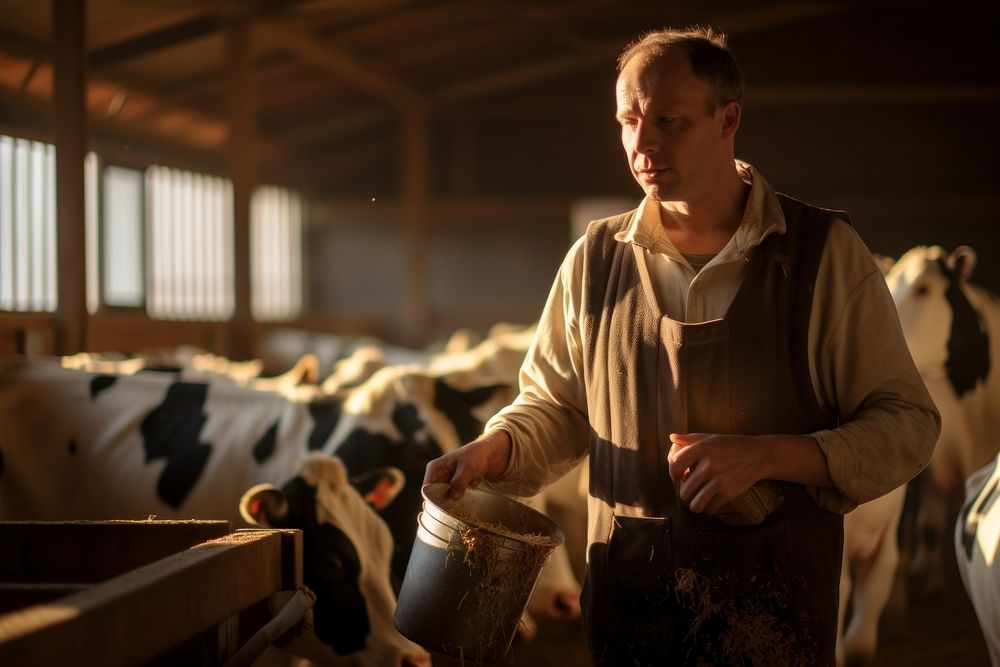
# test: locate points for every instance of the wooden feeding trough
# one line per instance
(127, 592)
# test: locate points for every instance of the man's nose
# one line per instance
(646, 139)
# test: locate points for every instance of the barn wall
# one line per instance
(908, 172)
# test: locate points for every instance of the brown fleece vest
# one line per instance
(664, 585)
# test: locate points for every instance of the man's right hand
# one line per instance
(484, 458)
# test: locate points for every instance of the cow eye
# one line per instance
(921, 290)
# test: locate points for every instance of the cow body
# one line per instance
(952, 328)
(977, 550)
(871, 555)
(80, 445)
(99, 445)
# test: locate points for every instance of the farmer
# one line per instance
(731, 361)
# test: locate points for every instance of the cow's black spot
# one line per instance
(325, 415)
(365, 450)
(968, 343)
(406, 419)
(171, 432)
(457, 406)
(162, 368)
(101, 382)
(264, 448)
(331, 568)
(71, 447)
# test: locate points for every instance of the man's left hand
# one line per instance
(713, 469)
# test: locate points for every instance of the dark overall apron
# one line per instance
(671, 587)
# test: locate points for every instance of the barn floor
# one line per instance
(934, 628)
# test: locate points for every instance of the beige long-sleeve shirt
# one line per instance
(859, 364)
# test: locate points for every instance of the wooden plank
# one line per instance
(36, 551)
(168, 36)
(132, 331)
(142, 613)
(291, 555)
(242, 156)
(69, 100)
(17, 596)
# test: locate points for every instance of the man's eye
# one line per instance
(666, 120)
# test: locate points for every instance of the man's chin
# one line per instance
(657, 193)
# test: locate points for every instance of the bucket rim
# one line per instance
(455, 536)
(532, 527)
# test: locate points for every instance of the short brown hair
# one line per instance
(710, 58)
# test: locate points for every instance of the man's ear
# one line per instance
(732, 112)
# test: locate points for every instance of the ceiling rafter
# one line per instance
(150, 42)
(741, 23)
(309, 50)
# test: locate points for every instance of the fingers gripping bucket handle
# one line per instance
(472, 569)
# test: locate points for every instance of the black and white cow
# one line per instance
(190, 440)
(80, 445)
(977, 549)
(952, 328)
(192, 363)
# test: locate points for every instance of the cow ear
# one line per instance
(884, 262)
(263, 505)
(962, 260)
(379, 486)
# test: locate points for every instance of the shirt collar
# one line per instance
(762, 217)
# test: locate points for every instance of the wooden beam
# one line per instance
(416, 223)
(344, 67)
(28, 76)
(242, 156)
(36, 550)
(771, 16)
(601, 54)
(139, 615)
(24, 47)
(69, 21)
(606, 53)
(853, 95)
(166, 37)
(15, 596)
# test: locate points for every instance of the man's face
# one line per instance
(676, 146)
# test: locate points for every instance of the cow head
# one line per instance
(346, 553)
(943, 330)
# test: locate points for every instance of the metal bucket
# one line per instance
(473, 566)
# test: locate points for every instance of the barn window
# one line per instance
(122, 243)
(27, 226)
(160, 238)
(275, 254)
(190, 227)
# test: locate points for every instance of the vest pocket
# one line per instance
(740, 561)
(639, 602)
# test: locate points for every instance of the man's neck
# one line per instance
(705, 225)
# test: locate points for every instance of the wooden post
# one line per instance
(242, 159)
(69, 57)
(416, 221)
